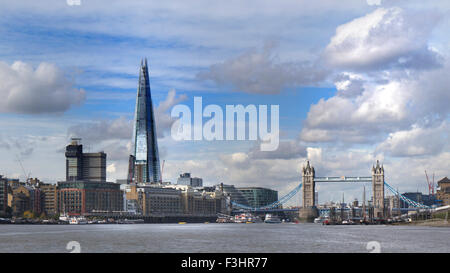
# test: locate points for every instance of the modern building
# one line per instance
(428, 200)
(235, 195)
(3, 196)
(186, 179)
(443, 193)
(82, 197)
(259, 197)
(84, 166)
(145, 157)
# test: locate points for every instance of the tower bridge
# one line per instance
(308, 184)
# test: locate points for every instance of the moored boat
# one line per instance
(272, 219)
(78, 221)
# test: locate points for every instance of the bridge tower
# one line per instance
(378, 190)
(308, 211)
(309, 186)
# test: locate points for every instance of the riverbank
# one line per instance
(427, 223)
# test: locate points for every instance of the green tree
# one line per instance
(43, 216)
(28, 214)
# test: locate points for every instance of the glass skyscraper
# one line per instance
(145, 153)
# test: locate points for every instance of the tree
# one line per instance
(28, 214)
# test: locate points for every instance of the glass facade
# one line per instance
(147, 167)
(258, 197)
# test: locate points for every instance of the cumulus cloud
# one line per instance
(385, 38)
(349, 85)
(380, 108)
(417, 141)
(259, 72)
(34, 91)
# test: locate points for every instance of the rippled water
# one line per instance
(222, 238)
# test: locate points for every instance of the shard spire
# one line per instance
(146, 166)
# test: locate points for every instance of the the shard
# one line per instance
(144, 162)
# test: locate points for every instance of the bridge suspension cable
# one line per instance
(406, 199)
(280, 201)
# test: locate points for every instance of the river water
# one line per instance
(201, 238)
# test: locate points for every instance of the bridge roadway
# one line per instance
(329, 179)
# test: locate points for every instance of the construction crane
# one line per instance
(27, 177)
(430, 184)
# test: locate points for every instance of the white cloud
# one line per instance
(34, 91)
(417, 141)
(349, 84)
(111, 168)
(384, 38)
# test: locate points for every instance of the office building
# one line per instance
(235, 195)
(186, 179)
(145, 157)
(94, 167)
(84, 166)
(259, 197)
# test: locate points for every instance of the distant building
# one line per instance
(84, 166)
(3, 196)
(258, 197)
(26, 198)
(50, 198)
(235, 195)
(418, 197)
(14, 183)
(186, 179)
(443, 192)
(81, 197)
(173, 200)
(94, 167)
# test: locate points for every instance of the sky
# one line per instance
(356, 81)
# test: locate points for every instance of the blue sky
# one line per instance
(356, 81)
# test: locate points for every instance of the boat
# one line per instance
(78, 221)
(320, 220)
(246, 218)
(64, 217)
(272, 219)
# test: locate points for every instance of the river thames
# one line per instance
(232, 238)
